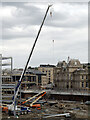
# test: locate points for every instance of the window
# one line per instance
(29, 79)
(71, 77)
(67, 86)
(71, 86)
(82, 84)
(32, 79)
(86, 77)
(39, 79)
(86, 84)
(49, 74)
(82, 77)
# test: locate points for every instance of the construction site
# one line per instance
(25, 96)
(58, 110)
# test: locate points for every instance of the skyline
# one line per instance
(68, 27)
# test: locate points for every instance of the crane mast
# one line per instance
(24, 70)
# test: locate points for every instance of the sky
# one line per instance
(63, 34)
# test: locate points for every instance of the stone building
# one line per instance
(68, 76)
(60, 76)
(49, 71)
(80, 79)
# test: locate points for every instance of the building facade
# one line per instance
(71, 76)
(49, 71)
(32, 78)
(80, 79)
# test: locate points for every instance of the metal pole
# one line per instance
(14, 102)
(24, 70)
(11, 69)
(1, 85)
(20, 94)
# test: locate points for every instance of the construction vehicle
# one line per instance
(19, 109)
(36, 98)
(13, 107)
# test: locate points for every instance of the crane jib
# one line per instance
(24, 70)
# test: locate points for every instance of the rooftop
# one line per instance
(47, 65)
(28, 71)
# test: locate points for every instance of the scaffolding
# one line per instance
(7, 86)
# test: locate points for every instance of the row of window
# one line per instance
(6, 80)
(46, 71)
(71, 77)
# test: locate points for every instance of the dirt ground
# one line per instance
(77, 111)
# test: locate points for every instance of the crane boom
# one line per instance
(24, 70)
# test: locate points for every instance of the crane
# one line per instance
(13, 106)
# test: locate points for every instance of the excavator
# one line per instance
(13, 107)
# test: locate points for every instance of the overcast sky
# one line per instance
(68, 27)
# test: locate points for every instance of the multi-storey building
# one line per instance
(80, 79)
(73, 65)
(60, 78)
(49, 71)
(32, 78)
(71, 76)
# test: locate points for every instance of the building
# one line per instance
(49, 71)
(80, 79)
(71, 76)
(60, 77)
(32, 78)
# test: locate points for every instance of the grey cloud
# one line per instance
(68, 23)
(23, 15)
(19, 4)
(68, 20)
(62, 27)
(31, 15)
(26, 16)
(14, 35)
